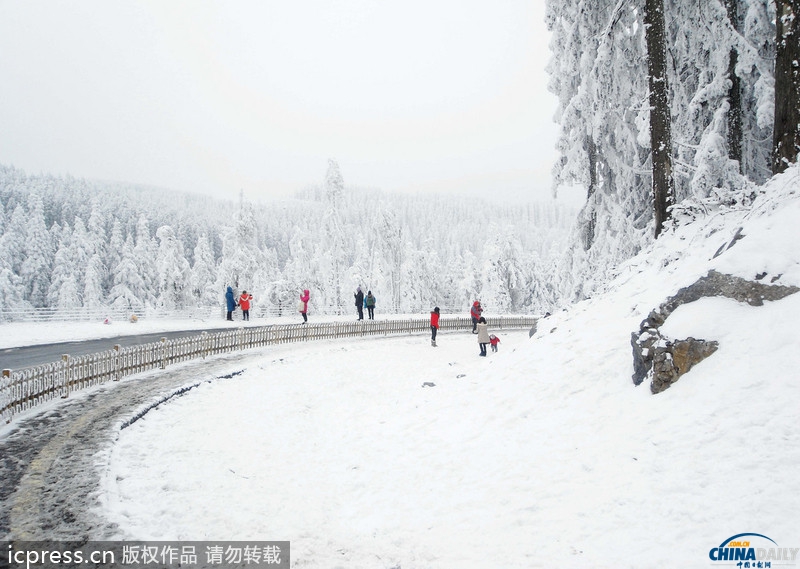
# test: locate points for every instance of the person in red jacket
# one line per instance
(244, 304)
(475, 313)
(434, 325)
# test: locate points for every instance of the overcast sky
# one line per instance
(214, 97)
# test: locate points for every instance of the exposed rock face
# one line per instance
(664, 360)
(677, 358)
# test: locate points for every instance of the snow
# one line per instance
(542, 454)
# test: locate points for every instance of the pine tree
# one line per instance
(38, 254)
(204, 274)
(63, 292)
(334, 184)
(128, 290)
(145, 251)
(735, 133)
(660, 120)
(172, 270)
(786, 133)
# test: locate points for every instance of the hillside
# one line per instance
(543, 454)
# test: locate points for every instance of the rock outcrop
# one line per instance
(665, 360)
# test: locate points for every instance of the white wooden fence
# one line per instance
(23, 389)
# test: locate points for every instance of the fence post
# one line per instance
(204, 342)
(7, 378)
(65, 375)
(116, 362)
(163, 363)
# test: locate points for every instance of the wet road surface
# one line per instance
(49, 476)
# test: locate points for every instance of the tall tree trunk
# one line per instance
(660, 132)
(735, 92)
(591, 222)
(786, 134)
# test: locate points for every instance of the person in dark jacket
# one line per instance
(369, 302)
(359, 294)
(230, 303)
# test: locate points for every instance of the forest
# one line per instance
(668, 109)
(67, 243)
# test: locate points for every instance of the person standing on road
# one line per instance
(359, 295)
(434, 325)
(230, 303)
(244, 304)
(302, 306)
(369, 302)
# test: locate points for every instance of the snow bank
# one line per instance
(543, 454)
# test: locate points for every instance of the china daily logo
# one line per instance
(753, 550)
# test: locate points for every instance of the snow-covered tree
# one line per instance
(413, 252)
(63, 292)
(37, 253)
(172, 270)
(660, 119)
(144, 252)
(241, 254)
(786, 133)
(204, 274)
(334, 184)
(128, 290)
(718, 70)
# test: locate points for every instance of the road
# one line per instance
(49, 480)
(27, 356)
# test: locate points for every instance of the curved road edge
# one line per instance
(48, 465)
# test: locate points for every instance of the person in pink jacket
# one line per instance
(304, 306)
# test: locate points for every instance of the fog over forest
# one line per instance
(68, 243)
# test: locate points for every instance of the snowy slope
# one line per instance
(544, 454)
(541, 455)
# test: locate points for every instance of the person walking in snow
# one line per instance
(359, 295)
(483, 335)
(434, 325)
(244, 304)
(494, 340)
(230, 303)
(369, 302)
(475, 314)
(302, 306)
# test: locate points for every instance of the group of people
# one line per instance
(242, 302)
(479, 327)
(363, 302)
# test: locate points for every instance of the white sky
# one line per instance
(444, 95)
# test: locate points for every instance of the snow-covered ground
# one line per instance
(390, 453)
